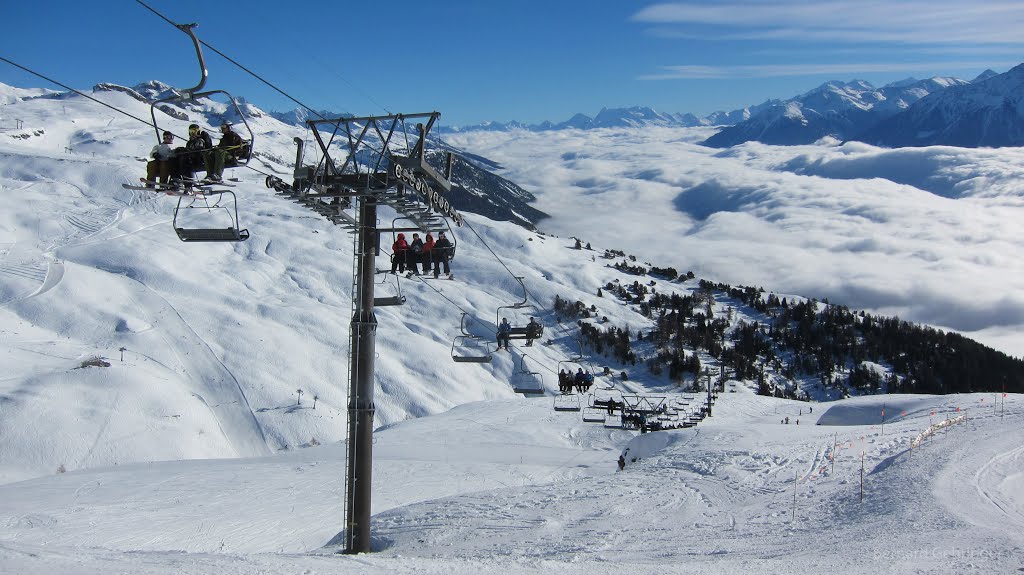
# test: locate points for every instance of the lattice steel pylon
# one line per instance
(382, 164)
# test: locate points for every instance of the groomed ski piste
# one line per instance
(512, 486)
(150, 420)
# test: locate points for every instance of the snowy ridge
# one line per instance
(839, 110)
(988, 112)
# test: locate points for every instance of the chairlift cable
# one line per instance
(260, 78)
(98, 101)
(229, 59)
(114, 108)
(101, 102)
(566, 331)
(351, 85)
(437, 290)
(239, 65)
(465, 221)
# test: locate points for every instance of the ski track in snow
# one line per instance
(215, 385)
(998, 482)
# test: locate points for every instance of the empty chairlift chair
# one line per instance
(567, 403)
(470, 348)
(209, 216)
(396, 299)
(527, 382)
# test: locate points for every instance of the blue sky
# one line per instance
(526, 60)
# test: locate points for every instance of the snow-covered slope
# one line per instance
(151, 420)
(513, 486)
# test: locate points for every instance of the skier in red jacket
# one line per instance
(398, 251)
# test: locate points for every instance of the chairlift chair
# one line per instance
(527, 382)
(397, 299)
(567, 403)
(418, 226)
(470, 348)
(518, 332)
(575, 364)
(594, 414)
(240, 157)
(613, 421)
(216, 215)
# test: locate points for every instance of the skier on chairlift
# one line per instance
(191, 158)
(162, 163)
(441, 253)
(533, 331)
(226, 153)
(504, 330)
(398, 250)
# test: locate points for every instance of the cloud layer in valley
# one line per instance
(929, 234)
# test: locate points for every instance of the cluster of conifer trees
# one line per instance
(800, 339)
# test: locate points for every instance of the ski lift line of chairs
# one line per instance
(527, 382)
(639, 412)
(186, 225)
(470, 348)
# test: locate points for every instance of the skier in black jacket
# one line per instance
(441, 253)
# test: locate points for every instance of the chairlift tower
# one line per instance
(366, 162)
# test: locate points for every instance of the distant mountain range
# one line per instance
(635, 117)
(985, 112)
(988, 112)
(835, 109)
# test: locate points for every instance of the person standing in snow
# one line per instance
(398, 250)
